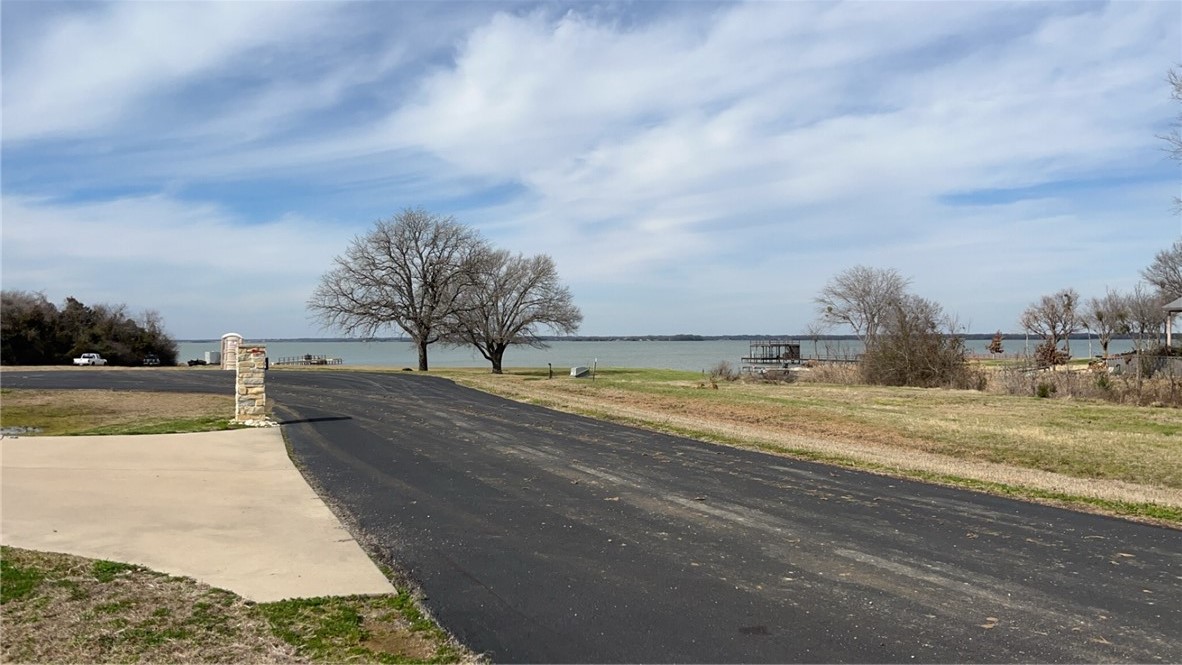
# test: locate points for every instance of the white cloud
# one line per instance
(697, 159)
(91, 69)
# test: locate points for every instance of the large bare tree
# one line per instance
(509, 299)
(860, 297)
(1165, 273)
(1054, 318)
(408, 273)
(1106, 316)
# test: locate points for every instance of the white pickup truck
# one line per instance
(90, 359)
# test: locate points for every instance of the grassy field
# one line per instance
(84, 412)
(59, 608)
(1117, 458)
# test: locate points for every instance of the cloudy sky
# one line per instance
(692, 167)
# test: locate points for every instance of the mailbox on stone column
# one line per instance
(230, 344)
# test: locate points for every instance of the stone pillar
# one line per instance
(250, 400)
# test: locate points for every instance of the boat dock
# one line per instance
(307, 359)
(775, 353)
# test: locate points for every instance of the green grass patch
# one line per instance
(62, 608)
(175, 426)
(106, 571)
(356, 629)
(17, 581)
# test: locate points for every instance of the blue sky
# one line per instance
(692, 167)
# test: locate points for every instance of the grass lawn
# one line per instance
(59, 608)
(86, 412)
(1118, 458)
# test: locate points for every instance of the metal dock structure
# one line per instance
(307, 359)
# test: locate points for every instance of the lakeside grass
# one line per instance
(1118, 459)
(60, 608)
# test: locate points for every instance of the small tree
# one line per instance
(28, 329)
(1146, 318)
(406, 273)
(814, 331)
(1106, 317)
(861, 297)
(507, 300)
(1054, 318)
(995, 347)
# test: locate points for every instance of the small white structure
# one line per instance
(1171, 308)
(230, 343)
(580, 372)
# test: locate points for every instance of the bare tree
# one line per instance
(1106, 316)
(860, 297)
(408, 272)
(508, 300)
(814, 331)
(1146, 318)
(1174, 138)
(1054, 318)
(1165, 273)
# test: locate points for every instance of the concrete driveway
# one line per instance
(226, 508)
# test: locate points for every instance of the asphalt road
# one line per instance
(544, 537)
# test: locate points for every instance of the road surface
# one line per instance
(545, 537)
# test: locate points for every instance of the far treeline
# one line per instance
(33, 331)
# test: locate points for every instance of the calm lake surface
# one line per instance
(692, 356)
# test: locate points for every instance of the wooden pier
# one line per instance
(307, 359)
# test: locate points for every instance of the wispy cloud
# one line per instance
(725, 156)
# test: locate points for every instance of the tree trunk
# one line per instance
(422, 344)
(496, 354)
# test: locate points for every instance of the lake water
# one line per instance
(692, 356)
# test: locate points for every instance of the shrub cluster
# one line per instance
(1158, 384)
(35, 332)
(912, 349)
